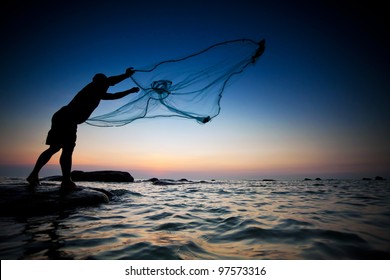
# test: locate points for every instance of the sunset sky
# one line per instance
(316, 104)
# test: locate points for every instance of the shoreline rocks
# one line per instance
(377, 178)
(97, 176)
(23, 200)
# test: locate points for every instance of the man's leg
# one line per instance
(66, 166)
(44, 158)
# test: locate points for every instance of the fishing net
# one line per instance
(188, 87)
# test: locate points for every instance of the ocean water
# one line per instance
(329, 219)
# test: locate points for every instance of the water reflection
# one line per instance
(239, 220)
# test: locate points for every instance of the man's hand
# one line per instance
(130, 71)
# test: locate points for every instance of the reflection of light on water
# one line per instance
(238, 220)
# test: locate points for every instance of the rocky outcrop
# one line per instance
(168, 182)
(165, 182)
(24, 200)
(98, 176)
(377, 178)
(102, 176)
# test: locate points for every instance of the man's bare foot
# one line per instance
(69, 185)
(33, 181)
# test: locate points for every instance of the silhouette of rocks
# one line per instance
(97, 176)
(183, 180)
(165, 182)
(102, 176)
(152, 180)
(16, 200)
(377, 178)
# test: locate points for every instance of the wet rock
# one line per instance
(24, 200)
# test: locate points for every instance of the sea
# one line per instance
(208, 220)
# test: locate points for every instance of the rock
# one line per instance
(183, 180)
(96, 176)
(23, 200)
(268, 180)
(164, 182)
(152, 180)
(307, 179)
(102, 176)
(318, 179)
(167, 182)
(366, 179)
(379, 178)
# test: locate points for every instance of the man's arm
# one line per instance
(113, 80)
(113, 96)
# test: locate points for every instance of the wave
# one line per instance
(159, 216)
(257, 234)
(140, 251)
(321, 250)
(218, 220)
(176, 226)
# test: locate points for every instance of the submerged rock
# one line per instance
(24, 200)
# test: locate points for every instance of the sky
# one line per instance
(316, 104)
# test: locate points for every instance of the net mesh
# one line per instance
(188, 87)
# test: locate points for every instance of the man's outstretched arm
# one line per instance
(113, 80)
(113, 96)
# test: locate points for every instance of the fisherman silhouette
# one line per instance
(62, 134)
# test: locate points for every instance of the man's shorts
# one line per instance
(63, 130)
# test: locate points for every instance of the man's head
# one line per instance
(100, 78)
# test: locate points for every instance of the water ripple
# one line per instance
(213, 220)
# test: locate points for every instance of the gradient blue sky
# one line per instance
(315, 105)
